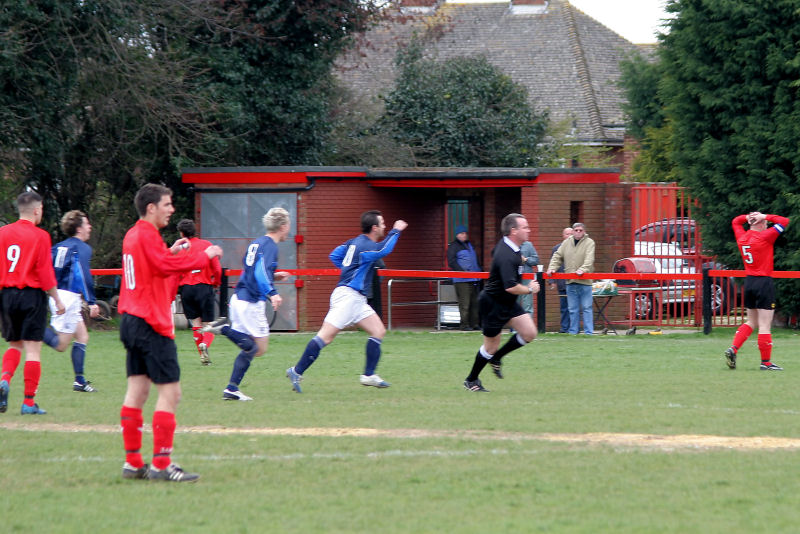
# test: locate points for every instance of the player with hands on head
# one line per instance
(757, 247)
(348, 303)
(249, 328)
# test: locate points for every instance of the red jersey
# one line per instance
(25, 256)
(211, 274)
(150, 276)
(757, 248)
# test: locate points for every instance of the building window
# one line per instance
(575, 211)
(457, 213)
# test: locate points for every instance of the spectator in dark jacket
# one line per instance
(461, 257)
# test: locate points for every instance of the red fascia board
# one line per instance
(578, 178)
(449, 182)
(262, 177)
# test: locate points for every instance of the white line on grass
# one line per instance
(648, 441)
(374, 455)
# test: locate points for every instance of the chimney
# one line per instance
(418, 6)
(529, 7)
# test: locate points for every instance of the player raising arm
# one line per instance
(349, 301)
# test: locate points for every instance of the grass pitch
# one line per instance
(603, 434)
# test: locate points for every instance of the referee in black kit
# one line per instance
(498, 302)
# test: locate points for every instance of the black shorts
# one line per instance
(494, 315)
(149, 353)
(23, 313)
(759, 293)
(198, 301)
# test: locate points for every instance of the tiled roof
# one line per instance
(567, 60)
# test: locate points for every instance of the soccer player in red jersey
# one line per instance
(149, 285)
(197, 292)
(757, 248)
(26, 279)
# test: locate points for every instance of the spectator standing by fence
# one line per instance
(561, 286)
(461, 256)
(530, 261)
(576, 254)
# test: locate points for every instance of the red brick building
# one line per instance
(326, 203)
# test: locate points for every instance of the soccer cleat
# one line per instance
(172, 473)
(216, 327)
(497, 369)
(769, 366)
(86, 388)
(475, 385)
(373, 380)
(730, 358)
(295, 378)
(204, 358)
(235, 395)
(3, 396)
(31, 410)
(130, 472)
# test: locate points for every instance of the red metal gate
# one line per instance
(666, 234)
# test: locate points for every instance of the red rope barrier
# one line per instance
(413, 273)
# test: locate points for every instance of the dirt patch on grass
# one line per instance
(641, 441)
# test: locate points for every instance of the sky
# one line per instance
(635, 20)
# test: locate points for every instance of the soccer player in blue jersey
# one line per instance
(349, 301)
(249, 328)
(71, 264)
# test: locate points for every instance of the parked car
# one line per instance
(665, 258)
(657, 239)
(680, 230)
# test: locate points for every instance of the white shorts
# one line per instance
(249, 317)
(348, 306)
(68, 322)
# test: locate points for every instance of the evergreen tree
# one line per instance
(463, 112)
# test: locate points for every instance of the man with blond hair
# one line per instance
(249, 328)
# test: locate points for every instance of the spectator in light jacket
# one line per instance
(576, 254)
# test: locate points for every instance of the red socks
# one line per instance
(208, 337)
(163, 433)
(32, 373)
(131, 421)
(742, 333)
(197, 335)
(11, 360)
(201, 337)
(765, 347)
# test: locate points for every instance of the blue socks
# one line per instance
(240, 366)
(373, 355)
(242, 340)
(51, 338)
(309, 355)
(78, 357)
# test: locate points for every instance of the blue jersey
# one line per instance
(260, 262)
(71, 264)
(356, 256)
